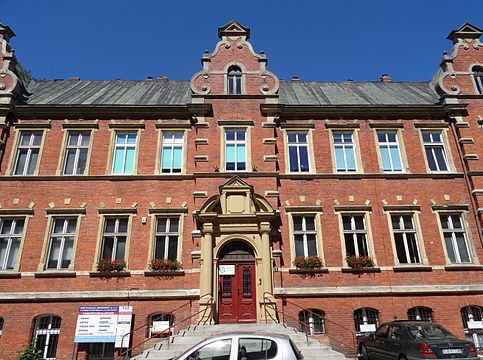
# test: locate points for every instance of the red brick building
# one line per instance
(260, 187)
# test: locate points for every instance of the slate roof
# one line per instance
(357, 93)
(108, 93)
(178, 93)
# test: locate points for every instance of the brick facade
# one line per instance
(256, 206)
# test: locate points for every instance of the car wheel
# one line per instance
(402, 357)
(364, 354)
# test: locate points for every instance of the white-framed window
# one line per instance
(305, 235)
(312, 321)
(234, 80)
(434, 149)
(455, 238)
(61, 244)
(405, 239)
(155, 330)
(46, 335)
(114, 238)
(478, 78)
(172, 152)
(420, 313)
(124, 157)
(11, 234)
(298, 151)
(472, 313)
(76, 152)
(389, 151)
(344, 151)
(166, 239)
(355, 235)
(235, 149)
(28, 151)
(365, 316)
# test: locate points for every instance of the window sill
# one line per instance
(10, 275)
(164, 273)
(308, 271)
(109, 274)
(361, 270)
(462, 267)
(412, 268)
(55, 274)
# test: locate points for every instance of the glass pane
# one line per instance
(346, 222)
(3, 252)
(25, 139)
(408, 222)
(412, 248)
(240, 153)
(14, 253)
(85, 139)
(129, 165)
(18, 227)
(173, 225)
(381, 137)
(37, 138)
(256, 349)
(359, 222)
(386, 162)
(299, 245)
(73, 138)
(167, 156)
(309, 223)
(34, 154)
(21, 159)
(230, 153)
(246, 281)
(304, 159)
(118, 161)
(362, 245)
(160, 245)
(6, 226)
(456, 222)
(110, 225)
(293, 158)
(395, 222)
(54, 253)
(426, 137)
(131, 138)
(58, 226)
(297, 223)
(67, 256)
(177, 157)
(401, 251)
(230, 135)
(173, 248)
(52, 346)
(230, 84)
(351, 160)
(121, 247)
(107, 248)
(449, 247)
(161, 225)
(431, 160)
(391, 137)
(178, 138)
(218, 350)
(82, 161)
(312, 245)
(462, 249)
(302, 137)
(71, 225)
(123, 225)
(69, 162)
(396, 160)
(240, 135)
(349, 244)
(337, 137)
(339, 158)
(439, 153)
(292, 137)
(238, 85)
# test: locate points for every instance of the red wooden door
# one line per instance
(237, 301)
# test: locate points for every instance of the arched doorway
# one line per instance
(236, 284)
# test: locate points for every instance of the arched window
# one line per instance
(365, 316)
(312, 321)
(234, 78)
(46, 335)
(420, 313)
(478, 78)
(159, 324)
(473, 331)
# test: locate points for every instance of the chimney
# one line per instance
(74, 78)
(295, 79)
(385, 78)
(163, 78)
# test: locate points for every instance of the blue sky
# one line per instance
(316, 40)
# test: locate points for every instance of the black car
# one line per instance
(411, 340)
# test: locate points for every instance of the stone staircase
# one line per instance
(177, 344)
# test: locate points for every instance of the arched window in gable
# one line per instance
(478, 78)
(234, 80)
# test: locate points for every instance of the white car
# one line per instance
(244, 346)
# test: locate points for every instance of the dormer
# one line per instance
(233, 68)
(460, 72)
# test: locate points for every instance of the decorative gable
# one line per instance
(466, 31)
(234, 28)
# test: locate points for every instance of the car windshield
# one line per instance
(429, 332)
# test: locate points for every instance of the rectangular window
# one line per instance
(114, 238)
(355, 235)
(11, 232)
(305, 236)
(166, 238)
(172, 153)
(405, 239)
(435, 152)
(124, 153)
(28, 152)
(298, 151)
(455, 238)
(76, 152)
(235, 150)
(61, 243)
(344, 148)
(389, 151)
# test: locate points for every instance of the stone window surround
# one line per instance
(126, 128)
(170, 129)
(74, 127)
(400, 142)
(19, 128)
(308, 129)
(346, 128)
(242, 125)
(26, 214)
(443, 129)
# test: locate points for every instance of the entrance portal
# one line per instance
(236, 284)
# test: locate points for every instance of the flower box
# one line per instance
(108, 265)
(308, 271)
(165, 265)
(161, 273)
(359, 261)
(307, 263)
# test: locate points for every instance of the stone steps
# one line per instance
(168, 348)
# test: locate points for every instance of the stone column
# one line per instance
(206, 273)
(267, 301)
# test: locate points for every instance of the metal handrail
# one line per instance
(124, 353)
(307, 325)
